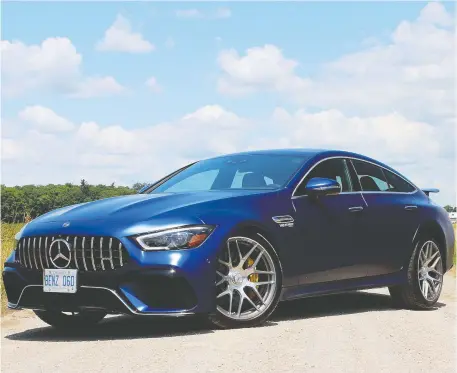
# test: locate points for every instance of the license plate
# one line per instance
(60, 280)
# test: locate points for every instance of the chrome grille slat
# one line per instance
(120, 253)
(46, 252)
(111, 250)
(30, 254)
(34, 253)
(52, 239)
(39, 251)
(24, 251)
(74, 252)
(101, 254)
(84, 255)
(92, 253)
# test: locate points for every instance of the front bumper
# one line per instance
(163, 283)
(140, 292)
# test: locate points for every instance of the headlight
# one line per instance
(176, 238)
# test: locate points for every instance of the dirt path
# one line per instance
(353, 332)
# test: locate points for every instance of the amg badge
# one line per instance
(284, 220)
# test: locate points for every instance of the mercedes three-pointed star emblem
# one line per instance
(60, 253)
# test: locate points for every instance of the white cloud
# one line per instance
(261, 68)
(152, 84)
(44, 119)
(98, 87)
(107, 153)
(54, 65)
(389, 137)
(100, 153)
(120, 37)
(219, 13)
(413, 74)
(213, 114)
(27, 66)
(111, 140)
(11, 149)
(434, 12)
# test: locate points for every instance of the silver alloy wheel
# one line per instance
(246, 284)
(430, 270)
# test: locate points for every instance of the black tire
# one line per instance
(409, 295)
(224, 322)
(78, 320)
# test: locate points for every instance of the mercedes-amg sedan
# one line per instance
(232, 236)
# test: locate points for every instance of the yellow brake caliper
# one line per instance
(253, 277)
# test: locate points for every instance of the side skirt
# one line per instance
(332, 287)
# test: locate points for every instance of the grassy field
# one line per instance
(7, 245)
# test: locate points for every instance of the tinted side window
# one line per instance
(398, 184)
(335, 169)
(354, 178)
(371, 177)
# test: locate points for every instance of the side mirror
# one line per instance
(319, 186)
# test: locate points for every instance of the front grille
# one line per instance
(87, 253)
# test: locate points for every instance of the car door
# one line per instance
(327, 227)
(390, 218)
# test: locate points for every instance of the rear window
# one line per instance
(377, 179)
(372, 178)
(397, 183)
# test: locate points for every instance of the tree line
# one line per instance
(23, 203)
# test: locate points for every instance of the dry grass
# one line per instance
(8, 231)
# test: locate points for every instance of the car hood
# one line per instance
(137, 207)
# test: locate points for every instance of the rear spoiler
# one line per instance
(427, 191)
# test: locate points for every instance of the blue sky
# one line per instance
(312, 33)
(194, 68)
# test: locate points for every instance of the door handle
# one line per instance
(355, 209)
(410, 208)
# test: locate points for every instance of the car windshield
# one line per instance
(253, 171)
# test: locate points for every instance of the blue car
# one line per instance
(232, 236)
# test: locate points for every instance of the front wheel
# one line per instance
(248, 282)
(425, 278)
(75, 320)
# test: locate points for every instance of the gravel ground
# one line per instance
(352, 332)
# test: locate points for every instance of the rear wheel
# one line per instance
(248, 282)
(425, 278)
(72, 320)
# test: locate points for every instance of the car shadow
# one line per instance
(337, 304)
(128, 327)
